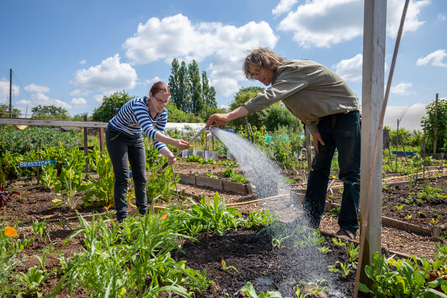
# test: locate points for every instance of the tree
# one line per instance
(110, 106)
(241, 97)
(80, 117)
(209, 93)
(4, 111)
(49, 112)
(195, 87)
(440, 122)
(176, 115)
(189, 92)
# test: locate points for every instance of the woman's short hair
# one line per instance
(159, 87)
(264, 58)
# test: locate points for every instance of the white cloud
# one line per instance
(434, 59)
(441, 16)
(41, 99)
(155, 79)
(4, 90)
(402, 89)
(323, 23)
(226, 86)
(350, 69)
(99, 97)
(394, 16)
(37, 88)
(283, 6)
(78, 102)
(61, 104)
(110, 74)
(78, 92)
(82, 61)
(176, 37)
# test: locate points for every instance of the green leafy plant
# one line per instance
(31, 281)
(71, 176)
(40, 228)
(250, 291)
(399, 207)
(258, 218)
(100, 189)
(334, 212)
(343, 270)
(48, 177)
(211, 175)
(213, 216)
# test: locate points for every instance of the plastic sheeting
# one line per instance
(409, 116)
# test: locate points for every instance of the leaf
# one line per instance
(249, 290)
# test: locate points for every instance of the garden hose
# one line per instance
(160, 170)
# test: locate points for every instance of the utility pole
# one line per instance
(10, 92)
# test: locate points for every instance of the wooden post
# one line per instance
(101, 139)
(10, 93)
(436, 124)
(86, 148)
(397, 143)
(374, 39)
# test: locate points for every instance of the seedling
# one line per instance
(225, 267)
(399, 207)
(344, 268)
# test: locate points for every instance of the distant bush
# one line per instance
(32, 138)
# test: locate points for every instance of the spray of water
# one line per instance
(267, 181)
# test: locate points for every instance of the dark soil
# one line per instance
(268, 268)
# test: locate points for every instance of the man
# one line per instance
(325, 103)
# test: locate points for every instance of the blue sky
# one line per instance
(71, 53)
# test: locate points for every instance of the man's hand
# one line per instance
(317, 139)
(220, 119)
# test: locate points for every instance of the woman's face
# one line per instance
(261, 74)
(159, 101)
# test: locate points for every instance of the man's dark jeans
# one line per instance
(124, 149)
(345, 137)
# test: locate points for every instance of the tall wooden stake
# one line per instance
(435, 130)
(373, 82)
(10, 93)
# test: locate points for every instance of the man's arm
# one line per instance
(222, 119)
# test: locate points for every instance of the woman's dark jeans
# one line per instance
(124, 149)
(345, 137)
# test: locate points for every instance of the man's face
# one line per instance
(265, 76)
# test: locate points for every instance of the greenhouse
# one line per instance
(409, 116)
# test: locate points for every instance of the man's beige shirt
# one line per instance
(309, 90)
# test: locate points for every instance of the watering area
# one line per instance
(267, 181)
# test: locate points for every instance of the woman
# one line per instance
(125, 144)
(324, 102)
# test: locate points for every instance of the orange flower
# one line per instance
(164, 216)
(10, 232)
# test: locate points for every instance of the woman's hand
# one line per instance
(181, 144)
(172, 160)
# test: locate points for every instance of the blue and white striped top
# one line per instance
(133, 118)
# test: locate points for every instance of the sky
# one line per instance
(72, 53)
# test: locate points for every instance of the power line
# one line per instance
(23, 88)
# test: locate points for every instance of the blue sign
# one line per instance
(36, 163)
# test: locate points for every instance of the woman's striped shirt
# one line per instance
(133, 118)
